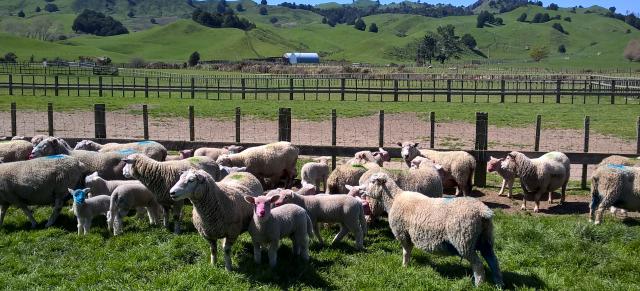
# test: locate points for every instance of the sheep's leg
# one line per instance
(477, 267)
(273, 253)
(524, 201)
(165, 216)
(29, 215)
(595, 201)
(57, 207)
(228, 243)
(257, 252)
(550, 200)
(213, 247)
(80, 226)
(343, 231)
(510, 184)
(407, 246)
(117, 224)
(3, 212)
(564, 190)
(355, 228)
(303, 245)
(537, 201)
(316, 231)
(87, 225)
(504, 183)
(177, 216)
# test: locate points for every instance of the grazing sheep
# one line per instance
(129, 196)
(347, 174)
(271, 161)
(225, 171)
(86, 208)
(508, 174)
(270, 225)
(343, 209)
(159, 177)
(458, 166)
(316, 173)
(620, 160)
(183, 154)
(614, 186)
(538, 176)
(460, 226)
(15, 150)
(150, 148)
(42, 181)
(214, 153)
(218, 208)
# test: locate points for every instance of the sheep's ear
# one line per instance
(438, 166)
(250, 199)
(70, 191)
(491, 157)
(399, 144)
(274, 198)
(242, 169)
(349, 187)
(415, 144)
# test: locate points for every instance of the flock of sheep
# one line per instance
(234, 190)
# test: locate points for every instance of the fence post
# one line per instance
(284, 124)
(145, 121)
(56, 85)
(613, 91)
(536, 146)
(99, 87)
(638, 136)
(192, 124)
(334, 127)
(193, 88)
(432, 121)
(50, 117)
(11, 85)
(395, 90)
(243, 88)
(238, 124)
(100, 120)
(14, 123)
(146, 87)
(381, 131)
(558, 86)
(290, 88)
(586, 150)
(342, 81)
(448, 90)
(480, 175)
(502, 90)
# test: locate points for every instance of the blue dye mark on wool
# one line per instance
(618, 167)
(79, 196)
(127, 152)
(55, 157)
(448, 200)
(146, 142)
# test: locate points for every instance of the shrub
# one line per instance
(21, 14)
(324, 20)
(360, 25)
(539, 53)
(631, 52)
(93, 22)
(562, 49)
(263, 10)
(373, 27)
(523, 17)
(263, 2)
(499, 21)
(194, 58)
(553, 6)
(239, 7)
(558, 27)
(217, 20)
(137, 62)
(469, 41)
(38, 9)
(131, 14)
(10, 57)
(50, 7)
(567, 19)
(273, 20)
(153, 21)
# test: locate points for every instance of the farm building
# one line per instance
(302, 58)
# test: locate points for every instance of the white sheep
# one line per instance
(620, 160)
(225, 171)
(342, 209)
(129, 196)
(36, 139)
(363, 157)
(615, 186)
(183, 154)
(347, 174)
(214, 153)
(458, 166)
(270, 225)
(538, 176)
(507, 173)
(218, 208)
(316, 173)
(460, 226)
(15, 150)
(86, 208)
(150, 148)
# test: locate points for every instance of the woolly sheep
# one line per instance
(507, 173)
(218, 208)
(86, 208)
(225, 171)
(129, 196)
(538, 176)
(159, 177)
(620, 160)
(347, 174)
(343, 209)
(614, 185)
(150, 148)
(36, 139)
(214, 153)
(271, 161)
(270, 225)
(363, 157)
(41, 181)
(458, 225)
(316, 173)
(18, 137)
(458, 166)
(15, 150)
(183, 154)
(99, 186)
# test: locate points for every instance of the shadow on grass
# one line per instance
(567, 208)
(515, 280)
(629, 221)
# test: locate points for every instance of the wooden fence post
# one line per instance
(395, 90)
(638, 136)
(502, 91)
(100, 120)
(586, 150)
(145, 121)
(146, 87)
(558, 86)
(50, 118)
(480, 175)
(193, 88)
(432, 137)
(448, 90)
(10, 84)
(56, 85)
(613, 91)
(381, 129)
(238, 124)
(284, 124)
(14, 121)
(342, 81)
(243, 88)
(334, 125)
(536, 146)
(192, 123)
(290, 88)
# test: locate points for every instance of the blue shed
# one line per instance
(302, 58)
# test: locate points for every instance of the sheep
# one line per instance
(99, 186)
(183, 154)
(347, 174)
(616, 186)
(316, 173)
(218, 208)
(458, 225)
(620, 160)
(508, 174)
(214, 153)
(358, 193)
(108, 165)
(36, 139)
(159, 177)
(271, 161)
(343, 209)
(17, 137)
(270, 225)
(150, 148)
(542, 175)
(15, 150)
(129, 196)
(41, 181)
(86, 208)
(458, 166)
(224, 170)
(363, 157)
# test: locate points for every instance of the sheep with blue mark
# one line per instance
(86, 208)
(614, 185)
(152, 149)
(461, 226)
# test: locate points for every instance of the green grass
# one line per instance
(559, 252)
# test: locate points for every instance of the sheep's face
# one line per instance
(129, 161)
(283, 195)
(493, 164)
(262, 205)
(186, 185)
(47, 147)
(355, 191)
(508, 162)
(79, 195)
(409, 151)
(234, 149)
(374, 188)
(224, 160)
(86, 145)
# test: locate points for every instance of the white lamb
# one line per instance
(507, 173)
(86, 208)
(130, 196)
(316, 173)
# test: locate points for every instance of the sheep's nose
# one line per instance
(261, 213)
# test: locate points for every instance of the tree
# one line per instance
(93, 22)
(545, 18)
(567, 19)
(537, 18)
(10, 57)
(373, 27)
(449, 44)
(273, 20)
(50, 7)
(331, 22)
(612, 9)
(38, 9)
(21, 14)
(137, 62)
(562, 49)
(632, 51)
(263, 10)
(360, 25)
(483, 18)
(499, 21)
(263, 2)
(553, 6)
(469, 41)
(239, 7)
(324, 20)
(222, 6)
(523, 17)
(131, 14)
(427, 48)
(539, 53)
(194, 58)
(558, 27)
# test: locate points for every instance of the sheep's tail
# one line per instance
(485, 246)
(113, 206)
(310, 228)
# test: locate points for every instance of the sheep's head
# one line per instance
(307, 189)
(87, 145)
(376, 182)
(186, 154)
(262, 205)
(49, 146)
(234, 149)
(493, 164)
(90, 178)
(509, 161)
(409, 151)
(355, 191)
(187, 184)
(284, 196)
(224, 160)
(130, 162)
(79, 195)
(382, 154)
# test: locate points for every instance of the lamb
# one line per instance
(343, 209)
(269, 226)
(218, 208)
(36, 139)
(363, 157)
(214, 153)
(152, 149)
(271, 161)
(347, 174)
(99, 186)
(316, 173)
(183, 154)
(159, 177)
(15, 150)
(542, 175)
(42, 181)
(17, 137)
(458, 225)
(507, 173)
(129, 196)
(614, 185)
(620, 160)
(458, 166)
(86, 208)
(225, 171)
